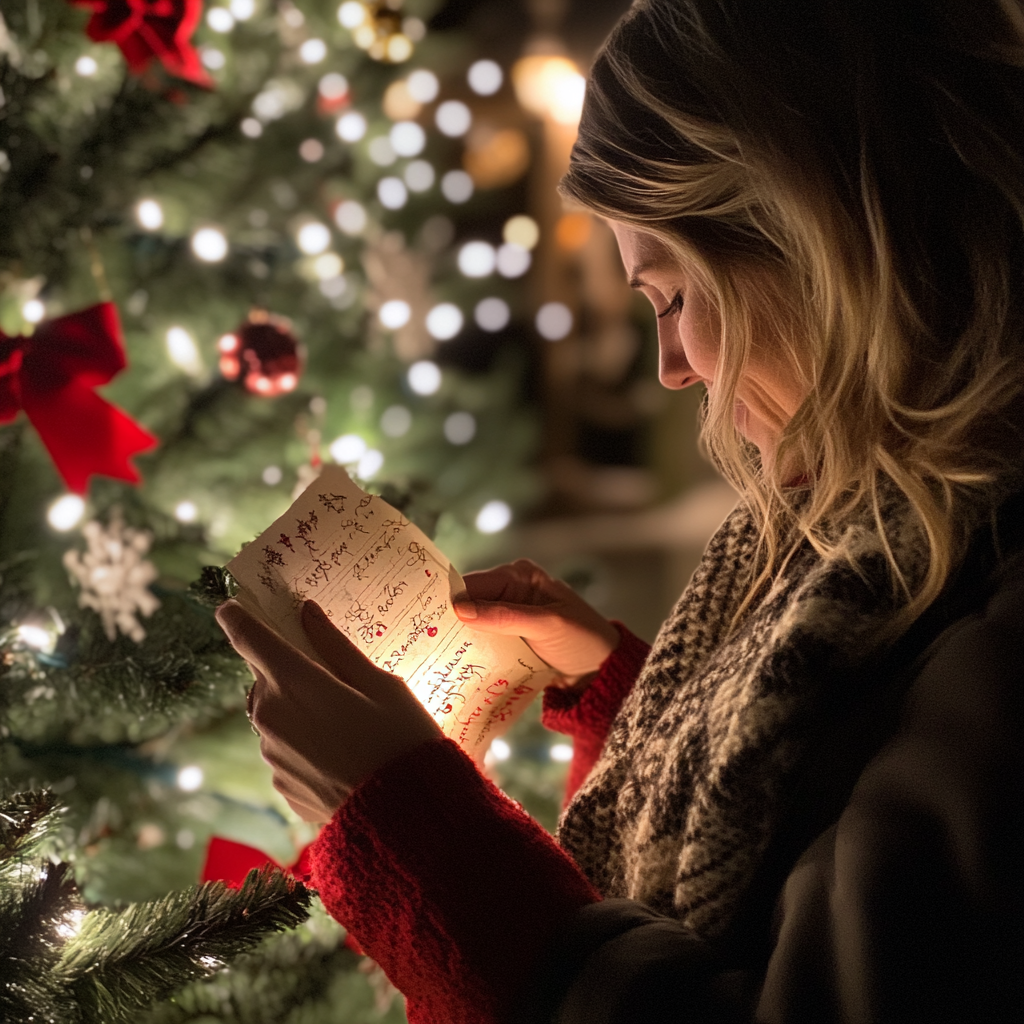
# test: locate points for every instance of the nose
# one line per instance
(674, 370)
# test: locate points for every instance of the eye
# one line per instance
(675, 306)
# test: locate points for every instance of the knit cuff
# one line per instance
(589, 714)
(447, 883)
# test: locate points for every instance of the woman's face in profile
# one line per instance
(768, 393)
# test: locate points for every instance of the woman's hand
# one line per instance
(322, 731)
(521, 599)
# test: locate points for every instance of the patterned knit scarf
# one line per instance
(687, 794)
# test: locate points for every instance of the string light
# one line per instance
(210, 245)
(424, 377)
(220, 19)
(242, 10)
(493, 517)
(485, 77)
(347, 449)
(392, 193)
(477, 259)
(71, 924)
(453, 118)
(500, 750)
(522, 231)
(460, 428)
(212, 58)
(352, 14)
(512, 260)
(394, 314)
(561, 752)
(492, 314)
(328, 266)
(381, 151)
(272, 476)
(457, 187)
(407, 138)
(190, 779)
(350, 127)
(395, 421)
(312, 51)
(370, 464)
(186, 512)
(86, 66)
(419, 176)
(251, 128)
(550, 86)
(313, 238)
(554, 321)
(33, 311)
(350, 217)
(423, 86)
(183, 351)
(311, 150)
(38, 638)
(444, 321)
(150, 215)
(333, 86)
(66, 512)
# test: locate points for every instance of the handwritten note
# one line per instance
(390, 591)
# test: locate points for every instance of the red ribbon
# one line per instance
(51, 375)
(148, 29)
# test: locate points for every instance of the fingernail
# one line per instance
(465, 610)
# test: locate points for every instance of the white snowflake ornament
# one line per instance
(115, 576)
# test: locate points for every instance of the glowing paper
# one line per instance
(389, 590)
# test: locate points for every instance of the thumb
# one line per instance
(526, 620)
(339, 654)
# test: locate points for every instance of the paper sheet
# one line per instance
(389, 590)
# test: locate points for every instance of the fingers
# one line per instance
(340, 655)
(520, 582)
(524, 620)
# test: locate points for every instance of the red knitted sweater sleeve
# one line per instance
(588, 716)
(447, 883)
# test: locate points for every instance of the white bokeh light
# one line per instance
(453, 118)
(190, 778)
(521, 230)
(350, 217)
(150, 215)
(513, 260)
(407, 138)
(186, 512)
(394, 314)
(328, 266)
(312, 51)
(423, 86)
(272, 476)
(33, 311)
(457, 186)
(220, 19)
(561, 752)
(333, 86)
(382, 153)
(485, 77)
(493, 517)
(554, 321)
(460, 427)
(477, 259)
(212, 58)
(350, 127)
(313, 238)
(351, 14)
(243, 10)
(251, 128)
(210, 245)
(311, 150)
(395, 421)
(37, 638)
(492, 314)
(424, 377)
(392, 193)
(347, 449)
(66, 512)
(86, 66)
(419, 176)
(501, 750)
(444, 321)
(183, 351)
(370, 464)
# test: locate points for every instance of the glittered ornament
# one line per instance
(262, 353)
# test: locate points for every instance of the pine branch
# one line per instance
(34, 921)
(121, 962)
(214, 586)
(26, 820)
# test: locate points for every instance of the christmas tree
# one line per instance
(263, 231)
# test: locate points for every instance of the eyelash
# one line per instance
(675, 306)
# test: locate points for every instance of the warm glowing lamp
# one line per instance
(549, 85)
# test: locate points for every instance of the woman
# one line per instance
(804, 803)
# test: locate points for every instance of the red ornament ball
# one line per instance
(262, 353)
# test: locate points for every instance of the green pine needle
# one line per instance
(121, 962)
(26, 821)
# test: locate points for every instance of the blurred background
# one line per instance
(331, 234)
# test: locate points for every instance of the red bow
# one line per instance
(229, 862)
(145, 29)
(51, 375)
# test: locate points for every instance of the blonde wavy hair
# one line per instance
(845, 181)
